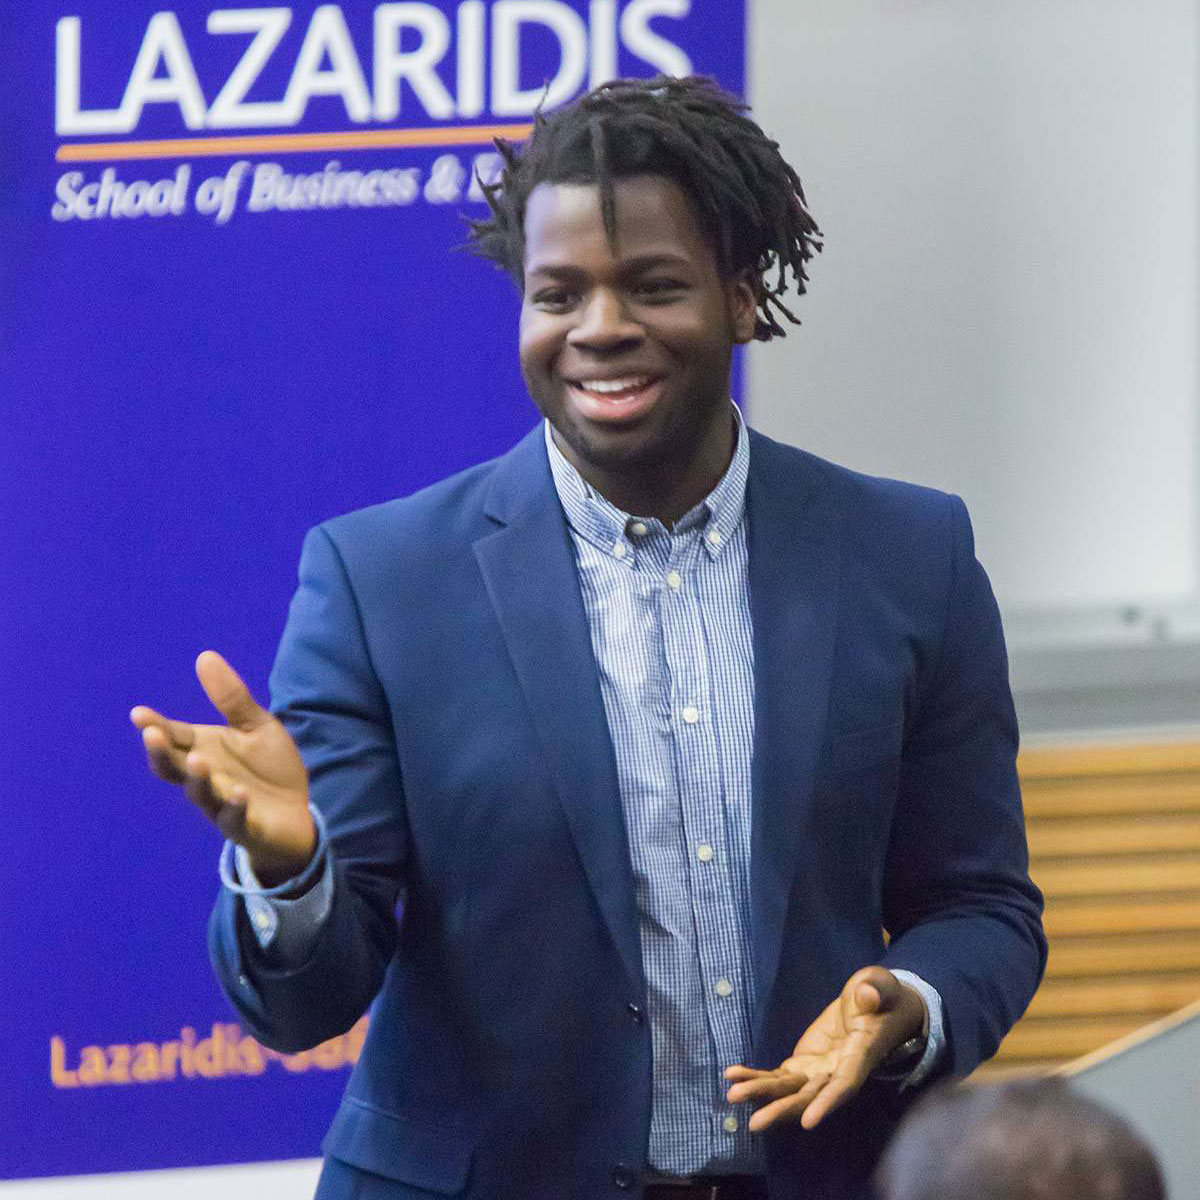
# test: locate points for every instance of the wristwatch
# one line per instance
(901, 1061)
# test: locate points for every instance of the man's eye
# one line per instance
(554, 299)
(659, 288)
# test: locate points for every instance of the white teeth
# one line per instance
(605, 386)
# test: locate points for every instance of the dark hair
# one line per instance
(1029, 1139)
(748, 199)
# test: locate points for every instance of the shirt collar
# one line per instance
(600, 522)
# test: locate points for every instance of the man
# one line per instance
(656, 725)
(1027, 1139)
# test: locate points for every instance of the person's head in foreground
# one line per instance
(1021, 1140)
(650, 226)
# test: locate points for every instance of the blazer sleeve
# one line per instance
(325, 690)
(959, 905)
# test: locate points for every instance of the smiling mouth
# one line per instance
(614, 399)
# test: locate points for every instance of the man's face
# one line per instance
(626, 347)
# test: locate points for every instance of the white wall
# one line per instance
(1007, 304)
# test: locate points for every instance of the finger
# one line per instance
(228, 693)
(871, 990)
(223, 803)
(164, 760)
(198, 786)
(787, 1108)
(762, 1091)
(179, 733)
(739, 1072)
(834, 1095)
(214, 791)
(851, 1073)
(867, 998)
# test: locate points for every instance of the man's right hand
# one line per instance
(246, 776)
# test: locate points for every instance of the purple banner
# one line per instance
(229, 308)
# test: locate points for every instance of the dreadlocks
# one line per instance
(749, 200)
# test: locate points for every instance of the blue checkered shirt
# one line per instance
(669, 614)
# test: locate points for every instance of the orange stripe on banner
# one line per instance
(291, 143)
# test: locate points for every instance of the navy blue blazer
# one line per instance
(437, 674)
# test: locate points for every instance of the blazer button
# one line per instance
(635, 1011)
(624, 1176)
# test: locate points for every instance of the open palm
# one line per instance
(246, 776)
(873, 1015)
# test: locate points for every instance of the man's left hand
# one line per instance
(874, 1015)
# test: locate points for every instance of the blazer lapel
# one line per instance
(793, 566)
(529, 570)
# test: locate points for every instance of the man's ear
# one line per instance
(743, 305)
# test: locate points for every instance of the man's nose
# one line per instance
(604, 323)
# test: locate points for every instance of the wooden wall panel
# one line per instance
(1114, 837)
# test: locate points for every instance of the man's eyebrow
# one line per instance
(564, 272)
(652, 262)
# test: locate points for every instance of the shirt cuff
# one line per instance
(287, 927)
(935, 1036)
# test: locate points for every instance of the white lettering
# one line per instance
(417, 66)
(602, 20)
(327, 35)
(183, 178)
(648, 45)
(411, 48)
(233, 180)
(158, 198)
(113, 197)
(87, 201)
(446, 178)
(217, 195)
(69, 118)
(163, 44)
(508, 98)
(471, 49)
(209, 193)
(110, 189)
(133, 202)
(272, 188)
(67, 203)
(230, 109)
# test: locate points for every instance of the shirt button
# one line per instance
(729, 1124)
(638, 528)
(714, 536)
(691, 714)
(723, 987)
(619, 550)
(674, 582)
(624, 1177)
(704, 852)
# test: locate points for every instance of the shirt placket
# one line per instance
(708, 861)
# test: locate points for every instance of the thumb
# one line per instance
(876, 990)
(229, 694)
